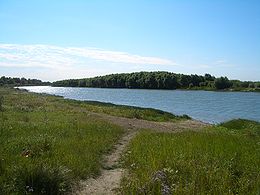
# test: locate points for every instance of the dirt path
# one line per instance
(137, 124)
(109, 180)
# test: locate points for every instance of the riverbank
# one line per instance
(224, 90)
(55, 145)
(38, 130)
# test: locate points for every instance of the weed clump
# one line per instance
(41, 179)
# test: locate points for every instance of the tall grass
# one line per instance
(1, 103)
(243, 126)
(47, 144)
(214, 161)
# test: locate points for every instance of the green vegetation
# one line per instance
(218, 160)
(149, 114)
(1, 103)
(222, 83)
(8, 81)
(243, 126)
(161, 80)
(47, 144)
(144, 80)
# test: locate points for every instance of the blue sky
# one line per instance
(54, 40)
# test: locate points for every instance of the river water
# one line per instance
(207, 106)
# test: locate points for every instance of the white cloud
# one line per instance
(49, 56)
(222, 61)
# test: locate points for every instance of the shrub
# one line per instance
(251, 85)
(245, 84)
(222, 83)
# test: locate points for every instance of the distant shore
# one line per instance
(180, 89)
(161, 80)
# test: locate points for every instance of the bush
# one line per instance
(251, 85)
(245, 84)
(222, 83)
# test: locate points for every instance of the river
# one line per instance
(207, 106)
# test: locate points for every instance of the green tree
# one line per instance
(222, 83)
(155, 80)
(251, 85)
(208, 77)
(82, 83)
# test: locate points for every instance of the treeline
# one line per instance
(158, 80)
(9, 81)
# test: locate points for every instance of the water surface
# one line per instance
(207, 106)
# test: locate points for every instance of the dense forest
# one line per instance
(8, 81)
(160, 80)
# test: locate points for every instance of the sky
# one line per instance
(53, 40)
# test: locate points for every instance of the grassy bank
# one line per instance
(47, 144)
(149, 114)
(224, 159)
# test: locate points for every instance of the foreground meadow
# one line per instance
(223, 159)
(47, 145)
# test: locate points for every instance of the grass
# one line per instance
(149, 114)
(218, 160)
(243, 126)
(48, 144)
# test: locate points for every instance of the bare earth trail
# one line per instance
(109, 180)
